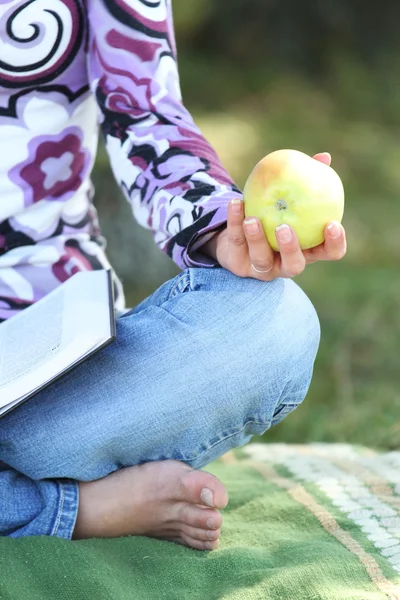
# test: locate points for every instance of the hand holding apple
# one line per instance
(242, 247)
(289, 187)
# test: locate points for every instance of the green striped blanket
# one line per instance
(303, 523)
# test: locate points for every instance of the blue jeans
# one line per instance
(198, 368)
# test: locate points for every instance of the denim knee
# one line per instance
(262, 369)
(277, 343)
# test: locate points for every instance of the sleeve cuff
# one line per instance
(192, 256)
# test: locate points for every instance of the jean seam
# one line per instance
(176, 285)
(67, 509)
(283, 406)
(267, 424)
(60, 509)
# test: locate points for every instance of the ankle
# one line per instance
(89, 520)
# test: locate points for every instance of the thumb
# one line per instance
(323, 157)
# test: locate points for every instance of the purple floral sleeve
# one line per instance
(65, 66)
(167, 170)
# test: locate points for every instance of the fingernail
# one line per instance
(334, 230)
(207, 496)
(211, 524)
(284, 234)
(236, 205)
(251, 226)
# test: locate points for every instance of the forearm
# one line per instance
(167, 170)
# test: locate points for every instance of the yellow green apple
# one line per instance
(288, 186)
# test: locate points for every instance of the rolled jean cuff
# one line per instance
(67, 509)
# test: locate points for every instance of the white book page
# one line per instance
(44, 340)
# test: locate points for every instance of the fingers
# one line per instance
(323, 157)
(335, 241)
(334, 247)
(238, 252)
(246, 251)
(260, 252)
(293, 260)
(250, 255)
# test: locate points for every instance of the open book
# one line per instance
(51, 337)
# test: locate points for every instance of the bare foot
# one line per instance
(166, 500)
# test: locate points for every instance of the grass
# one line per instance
(355, 393)
(354, 396)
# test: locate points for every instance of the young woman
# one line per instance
(220, 353)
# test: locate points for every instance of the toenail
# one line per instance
(211, 545)
(211, 524)
(207, 496)
(211, 535)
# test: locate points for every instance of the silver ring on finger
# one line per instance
(260, 271)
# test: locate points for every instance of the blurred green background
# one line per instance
(316, 75)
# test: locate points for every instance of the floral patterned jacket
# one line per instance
(66, 67)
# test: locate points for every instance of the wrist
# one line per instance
(210, 248)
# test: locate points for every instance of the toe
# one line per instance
(203, 488)
(197, 544)
(204, 535)
(199, 517)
